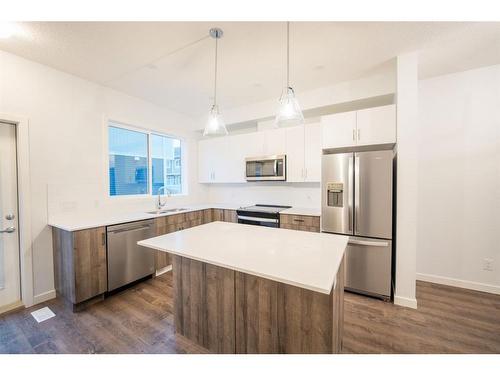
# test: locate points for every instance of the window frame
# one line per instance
(110, 122)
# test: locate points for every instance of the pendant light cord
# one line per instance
(287, 55)
(215, 78)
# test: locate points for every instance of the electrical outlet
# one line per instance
(488, 264)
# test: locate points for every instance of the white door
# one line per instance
(10, 284)
(295, 154)
(339, 130)
(312, 152)
(376, 125)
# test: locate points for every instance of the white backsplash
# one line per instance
(291, 194)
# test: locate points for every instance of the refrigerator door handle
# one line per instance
(356, 193)
(368, 243)
(350, 202)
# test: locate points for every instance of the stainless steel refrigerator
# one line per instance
(357, 200)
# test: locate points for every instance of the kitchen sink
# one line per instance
(159, 212)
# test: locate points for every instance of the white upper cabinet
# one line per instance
(303, 153)
(274, 142)
(376, 125)
(295, 154)
(312, 152)
(205, 163)
(213, 155)
(369, 126)
(339, 130)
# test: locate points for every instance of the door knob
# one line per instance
(10, 217)
(8, 230)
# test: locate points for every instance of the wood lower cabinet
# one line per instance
(219, 214)
(300, 222)
(173, 223)
(80, 260)
(80, 264)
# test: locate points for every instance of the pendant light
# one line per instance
(215, 124)
(289, 112)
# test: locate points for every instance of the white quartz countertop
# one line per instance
(303, 259)
(73, 222)
(307, 211)
(77, 221)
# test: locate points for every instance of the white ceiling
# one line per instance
(251, 55)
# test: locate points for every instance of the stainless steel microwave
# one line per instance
(266, 168)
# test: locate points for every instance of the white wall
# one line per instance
(65, 116)
(459, 179)
(298, 195)
(407, 180)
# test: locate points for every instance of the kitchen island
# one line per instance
(248, 289)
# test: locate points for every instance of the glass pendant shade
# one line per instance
(215, 124)
(289, 113)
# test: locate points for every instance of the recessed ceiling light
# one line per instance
(319, 67)
(7, 29)
(152, 66)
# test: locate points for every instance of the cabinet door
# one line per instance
(217, 214)
(312, 152)
(376, 125)
(221, 159)
(241, 148)
(230, 216)
(295, 154)
(90, 263)
(274, 141)
(205, 157)
(338, 130)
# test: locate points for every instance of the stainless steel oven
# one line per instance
(264, 215)
(266, 168)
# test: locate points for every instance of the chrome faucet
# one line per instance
(159, 203)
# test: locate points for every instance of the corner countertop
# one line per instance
(304, 259)
(73, 222)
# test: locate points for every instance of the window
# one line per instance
(142, 162)
(166, 162)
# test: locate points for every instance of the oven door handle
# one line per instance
(257, 219)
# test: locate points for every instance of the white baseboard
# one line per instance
(163, 270)
(11, 306)
(42, 297)
(473, 285)
(406, 302)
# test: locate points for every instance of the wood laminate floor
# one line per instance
(140, 320)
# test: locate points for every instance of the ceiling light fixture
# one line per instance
(215, 124)
(289, 112)
(7, 29)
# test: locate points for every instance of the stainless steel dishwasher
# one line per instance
(127, 261)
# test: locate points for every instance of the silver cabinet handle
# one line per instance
(350, 183)
(353, 134)
(359, 134)
(368, 243)
(8, 230)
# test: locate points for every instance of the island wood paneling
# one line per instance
(232, 312)
(300, 222)
(256, 314)
(204, 304)
(80, 263)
